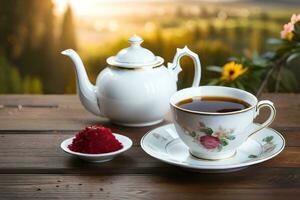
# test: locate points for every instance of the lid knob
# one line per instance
(135, 40)
(135, 56)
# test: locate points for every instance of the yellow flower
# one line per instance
(232, 70)
(289, 36)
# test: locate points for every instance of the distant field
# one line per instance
(98, 29)
(111, 21)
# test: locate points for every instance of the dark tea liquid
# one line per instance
(213, 104)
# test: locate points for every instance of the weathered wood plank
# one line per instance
(292, 137)
(29, 118)
(248, 184)
(32, 100)
(40, 153)
(33, 166)
(54, 112)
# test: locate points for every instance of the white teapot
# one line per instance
(134, 90)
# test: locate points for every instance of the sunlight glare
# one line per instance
(80, 7)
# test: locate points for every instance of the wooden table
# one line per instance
(33, 166)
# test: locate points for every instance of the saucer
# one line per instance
(98, 158)
(164, 144)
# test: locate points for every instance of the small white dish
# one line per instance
(164, 144)
(98, 158)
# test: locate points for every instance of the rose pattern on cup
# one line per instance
(267, 146)
(211, 139)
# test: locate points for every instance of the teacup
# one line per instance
(212, 135)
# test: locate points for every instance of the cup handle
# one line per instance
(176, 69)
(261, 104)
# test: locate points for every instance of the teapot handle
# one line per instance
(176, 69)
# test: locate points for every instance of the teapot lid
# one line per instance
(135, 56)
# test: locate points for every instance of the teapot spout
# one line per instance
(85, 89)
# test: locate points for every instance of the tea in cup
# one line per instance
(213, 121)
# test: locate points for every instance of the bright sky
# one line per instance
(80, 7)
(90, 7)
(95, 7)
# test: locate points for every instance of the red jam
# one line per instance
(94, 140)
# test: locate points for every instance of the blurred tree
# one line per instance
(68, 36)
(159, 41)
(32, 85)
(10, 81)
(264, 16)
(203, 12)
(180, 12)
(27, 36)
(255, 40)
(47, 51)
(67, 40)
(197, 33)
(11, 30)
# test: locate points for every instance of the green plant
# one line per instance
(253, 73)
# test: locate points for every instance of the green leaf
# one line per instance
(222, 83)
(292, 57)
(220, 147)
(275, 41)
(268, 139)
(252, 156)
(207, 131)
(214, 81)
(297, 28)
(193, 133)
(224, 142)
(288, 80)
(234, 59)
(255, 56)
(230, 137)
(232, 84)
(295, 50)
(215, 69)
(269, 55)
(240, 85)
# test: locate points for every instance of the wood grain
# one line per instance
(248, 184)
(32, 166)
(66, 112)
(40, 153)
